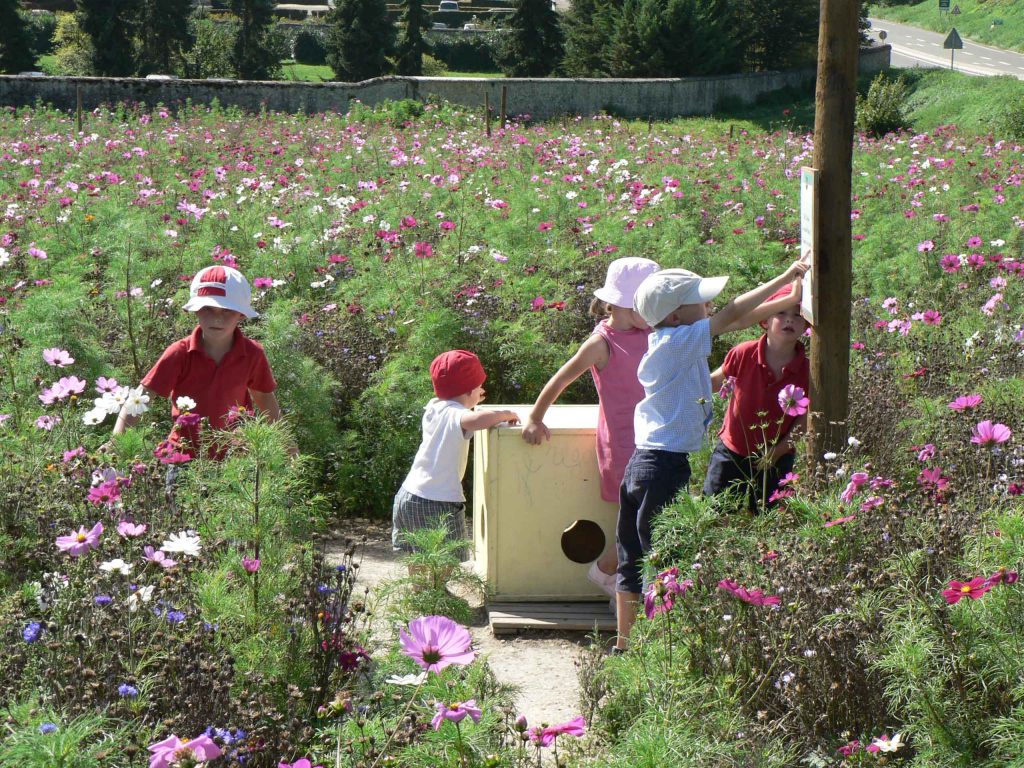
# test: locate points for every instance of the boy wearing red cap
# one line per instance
(756, 442)
(213, 371)
(432, 491)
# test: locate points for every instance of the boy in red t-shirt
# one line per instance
(756, 443)
(214, 371)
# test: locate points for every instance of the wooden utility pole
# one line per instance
(835, 99)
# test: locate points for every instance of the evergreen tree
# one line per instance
(110, 25)
(533, 44)
(588, 30)
(625, 47)
(411, 44)
(777, 34)
(257, 54)
(15, 40)
(359, 39)
(164, 35)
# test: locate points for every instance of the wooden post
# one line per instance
(487, 112)
(78, 106)
(504, 101)
(835, 96)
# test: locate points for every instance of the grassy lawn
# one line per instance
(306, 73)
(992, 22)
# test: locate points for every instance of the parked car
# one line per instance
(448, 5)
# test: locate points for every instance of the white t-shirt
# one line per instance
(676, 410)
(441, 460)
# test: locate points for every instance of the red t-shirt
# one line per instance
(184, 369)
(757, 390)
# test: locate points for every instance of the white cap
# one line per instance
(624, 276)
(222, 287)
(661, 294)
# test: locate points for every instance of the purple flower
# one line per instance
(456, 712)
(660, 596)
(793, 400)
(435, 642)
(986, 433)
(47, 728)
(32, 631)
(546, 737)
(168, 753)
(126, 691)
(80, 542)
(57, 357)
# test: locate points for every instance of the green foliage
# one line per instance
(259, 47)
(41, 27)
(87, 741)
(466, 53)
(433, 67)
(163, 38)
(16, 39)
(111, 26)
(588, 30)
(882, 111)
(360, 37)
(210, 54)
(774, 34)
(999, 23)
(1012, 123)
(308, 47)
(532, 46)
(412, 45)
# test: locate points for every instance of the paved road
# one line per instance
(914, 47)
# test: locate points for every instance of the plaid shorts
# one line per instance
(414, 513)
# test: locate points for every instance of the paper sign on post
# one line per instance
(808, 237)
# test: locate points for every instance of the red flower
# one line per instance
(973, 589)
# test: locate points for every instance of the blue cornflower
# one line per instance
(323, 589)
(103, 600)
(175, 616)
(46, 728)
(32, 631)
(126, 691)
(341, 568)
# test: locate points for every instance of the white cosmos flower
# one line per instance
(830, 456)
(185, 403)
(117, 565)
(94, 417)
(139, 596)
(888, 745)
(407, 679)
(853, 442)
(183, 542)
(137, 402)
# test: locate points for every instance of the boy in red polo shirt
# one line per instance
(756, 443)
(216, 367)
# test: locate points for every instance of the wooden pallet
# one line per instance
(508, 618)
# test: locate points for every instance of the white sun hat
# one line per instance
(223, 287)
(659, 295)
(624, 276)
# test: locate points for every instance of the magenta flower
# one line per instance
(105, 493)
(857, 480)
(973, 589)
(1003, 576)
(74, 453)
(544, 226)
(169, 752)
(250, 564)
(986, 433)
(660, 596)
(927, 453)
(263, 282)
(849, 748)
(130, 530)
(950, 263)
(925, 246)
(931, 317)
(81, 542)
(965, 403)
(57, 357)
(839, 521)
(546, 737)
(751, 596)
(408, 222)
(300, 763)
(456, 712)
(537, 304)
(423, 250)
(793, 400)
(974, 242)
(932, 481)
(435, 642)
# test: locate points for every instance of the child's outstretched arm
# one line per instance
(593, 351)
(473, 421)
(727, 317)
(766, 310)
(125, 420)
(266, 402)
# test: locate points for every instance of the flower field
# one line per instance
(875, 616)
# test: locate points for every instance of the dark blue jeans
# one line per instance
(652, 480)
(729, 471)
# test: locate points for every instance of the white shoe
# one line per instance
(606, 581)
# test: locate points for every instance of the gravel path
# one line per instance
(540, 664)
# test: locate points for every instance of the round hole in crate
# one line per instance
(583, 541)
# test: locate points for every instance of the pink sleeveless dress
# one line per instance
(618, 391)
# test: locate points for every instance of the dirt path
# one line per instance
(540, 664)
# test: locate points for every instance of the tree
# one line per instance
(777, 34)
(164, 35)
(412, 45)
(72, 47)
(257, 54)
(587, 32)
(15, 40)
(533, 44)
(210, 54)
(110, 26)
(359, 39)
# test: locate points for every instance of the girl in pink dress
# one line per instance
(612, 353)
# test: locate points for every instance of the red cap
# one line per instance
(456, 372)
(782, 293)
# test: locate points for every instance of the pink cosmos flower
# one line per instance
(157, 556)
(74, 453)
(950, 263)
(789, 478)
(544, 226)
(250, 564)
(974, 242)
(990, 306)
(130, 530)
(849, 748)
(965, 403)
(728, 385)
(423, 250)
(927, 453)
(435, 642)
(103, 384)
(47, 422)
(1003, 576)
(751, 596)
(456, 712)
(546, 737)
(300, 763)
(925, 246)
(973, 589)
(537, 304)
(780, 494)
(871, 502)
(986, 433)
(80, 542)
(931, 317)
(263, 282)
(169, 752)
(839, 521)
(660, 596)
(57, 357)
(447, 225)
(105, 493)
(793, 400)
(932, 481)
(857, 481)
(408, 222)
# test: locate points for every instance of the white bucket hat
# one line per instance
(624, 276)
(659, 295)
(222, 287)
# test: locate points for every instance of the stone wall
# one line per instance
(539, 98)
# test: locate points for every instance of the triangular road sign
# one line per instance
(953, 40)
